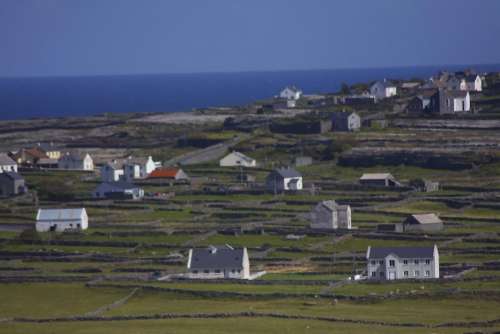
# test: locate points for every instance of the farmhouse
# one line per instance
(168, 173)
(454, 101)
(282, 179)
(28, 156)
(7, 164)
(428, 222)
(52, 151)
(218, 262)
(74, 161)
(426, 101)
(291, 93)
(392, 263)
(60, 220)
(111, 172)
(379, 180)
(11, 184)
(345, 121)
(383, 89)
(471, 83)
(235, 158)
(139, 168)
(330, 215)
(118, 190)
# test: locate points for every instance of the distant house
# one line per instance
(393, 263)
(428, 222)
(118, 190)
(51, 150)
(139, 168)
(168, 173)
(282, 179)
(28, 156)
(471, 83)
(424, 185)
(330, 215)
(454, 101)
(235, 159)
(7, 164)
(426, 101)
(11, 184)
(383, 89)
(291, 93)
(112, 171)
(345, 121)
(379, 179)
(74, 161)
(60, 220)
(302, 161)
(218, 262)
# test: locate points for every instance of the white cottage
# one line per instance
(74, 161)
(291, 93)
(60, 220)
(330, 215)
(383, 89)
(235, 159)
(7, 164)
(138, 168)
(471, 83)
(218, 262)
(454, 101)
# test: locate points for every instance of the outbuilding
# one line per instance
(330, 215)
(428, 222)
(60, 220)
(379, 180)
(282, 179)
(118, 190)
(235, 159)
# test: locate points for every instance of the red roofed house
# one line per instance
(168, 173)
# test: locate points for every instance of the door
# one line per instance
(392, 275)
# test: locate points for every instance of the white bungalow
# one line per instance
(218, 262)
(235, 159)
(60, 220)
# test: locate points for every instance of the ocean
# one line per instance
(40, 97)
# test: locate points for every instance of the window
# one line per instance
(381, 274)
(195, 271)
(206, 271)
(463, 105)
(374, 273)
(392, 263)
(373, 262)
(233, 271)
(416, 261)
(427, 261)
(427, 273)
(381, 262)
(239, 271)
(417, 273)
(405, 262)
(217, 271)
(406, 274)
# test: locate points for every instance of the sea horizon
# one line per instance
(66, 96)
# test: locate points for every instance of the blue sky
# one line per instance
(94, 37)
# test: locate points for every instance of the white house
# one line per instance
(282, 179)
(138, 168)
(218, 262)
(471, 83)
(118, 190)
(454, 101)
(330, 215)
(7, 164)
(383, 89)
(235, 159)
(112, 172)
(392, 263)
(74, 161)
(60, 220)
(291, 93)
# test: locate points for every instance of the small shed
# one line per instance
(235, 159)
(379, 180)
(428, 222)
(282, 179)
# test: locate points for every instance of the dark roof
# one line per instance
(120, 185)
(217, 257)
(456, 93)
(287, 172)
(12, 175)
(341, 115)
(402, 252)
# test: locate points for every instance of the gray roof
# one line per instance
(60, 214)
(377, 176)
(287, 172)
(241, 156)
(330, 205)
(456, 93)
(427, 218)
(341, 115)
(11, 175)
(402, 252)
(120, 185)
(385, 83)
(217, 257)
(6, 160)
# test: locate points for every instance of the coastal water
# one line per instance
(23, 98)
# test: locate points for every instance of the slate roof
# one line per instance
(402, 252)
(385, 83)
(330, 205)
(376, 176)
(241, 156)
(217, 257)
(427, 218)
(73, 156)
(122, 185)
(287, 172)
(6, 160)
(340, 115)
(59, 214)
